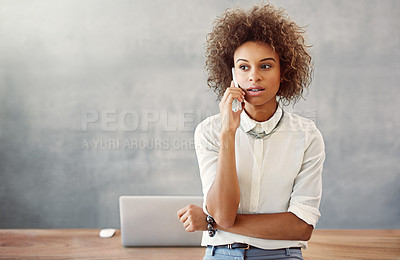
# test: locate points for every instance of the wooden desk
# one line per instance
(85, 244)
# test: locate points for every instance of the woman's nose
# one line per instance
(254, 75)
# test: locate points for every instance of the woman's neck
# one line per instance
(261, 113)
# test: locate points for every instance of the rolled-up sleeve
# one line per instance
(207, 148)
(307, 189)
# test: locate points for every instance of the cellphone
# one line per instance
(236, 105)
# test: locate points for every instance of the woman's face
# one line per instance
(258, 73)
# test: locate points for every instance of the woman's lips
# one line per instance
(255, 91)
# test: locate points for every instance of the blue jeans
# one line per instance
(213, 253)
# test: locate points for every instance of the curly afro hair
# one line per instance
(265, 24)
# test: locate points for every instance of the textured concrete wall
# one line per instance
(100, 99)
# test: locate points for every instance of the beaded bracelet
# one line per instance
(210, 227)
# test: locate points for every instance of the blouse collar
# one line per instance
(248, 124)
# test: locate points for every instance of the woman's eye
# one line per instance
(243, 67)
(265, 66)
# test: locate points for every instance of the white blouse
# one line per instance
(278, 173)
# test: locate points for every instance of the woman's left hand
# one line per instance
(193, 218)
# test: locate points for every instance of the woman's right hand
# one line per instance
(230, 119)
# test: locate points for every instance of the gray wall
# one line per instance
(77, 77)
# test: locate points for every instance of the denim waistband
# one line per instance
(249, 250)
(247, 247)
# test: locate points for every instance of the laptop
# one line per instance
(153, 221)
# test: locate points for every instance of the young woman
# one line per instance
(260, 166)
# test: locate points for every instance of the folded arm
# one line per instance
(276, 226)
